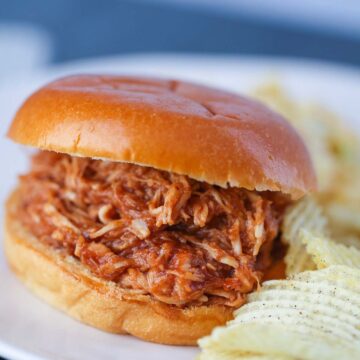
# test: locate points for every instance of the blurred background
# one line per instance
(34, 33)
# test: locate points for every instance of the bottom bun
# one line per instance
(66, 284)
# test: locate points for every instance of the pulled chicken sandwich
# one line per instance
(152, 207)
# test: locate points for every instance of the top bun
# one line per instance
(205, 133)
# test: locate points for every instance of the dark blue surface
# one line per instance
(87, 28)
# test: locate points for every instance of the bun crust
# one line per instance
(65, 284)
(208, 134)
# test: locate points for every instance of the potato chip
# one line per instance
(220, 354)
(309, 244)
(279, 340)
(326, 252)
(304, 215)
(216, 354)
(312, 315)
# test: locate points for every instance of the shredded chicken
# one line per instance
(180, 241)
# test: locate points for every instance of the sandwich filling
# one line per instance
(174, 239)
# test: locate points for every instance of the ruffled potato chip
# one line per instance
(313, 315)
(219, 354)
(326, 252)
(277, 339)
(304, 215)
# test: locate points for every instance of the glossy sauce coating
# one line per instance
(179, 240)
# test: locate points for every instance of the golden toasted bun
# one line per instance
(66, 284)
(207, 134)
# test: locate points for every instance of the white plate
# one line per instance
(30, 329)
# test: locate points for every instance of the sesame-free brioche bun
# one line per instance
(208, 134)
(66, 284)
